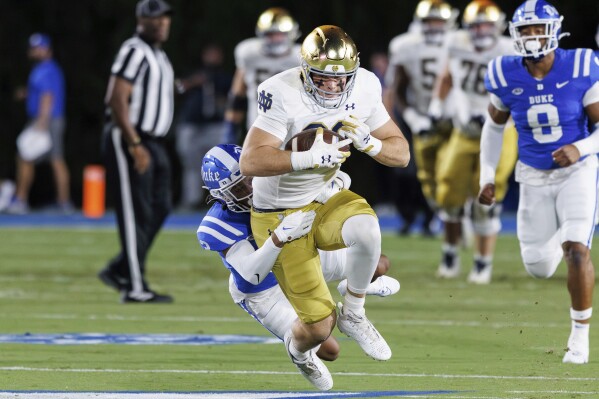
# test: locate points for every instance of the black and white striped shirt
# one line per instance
(151, 104)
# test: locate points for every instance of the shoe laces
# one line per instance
(365, 327)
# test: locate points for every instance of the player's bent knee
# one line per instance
(382, 267)
(329, 350)
(576, 254)
(543, 268)
(362, 230)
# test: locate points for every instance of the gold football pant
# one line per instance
(428, 152)
(298, 268)
(459, 170)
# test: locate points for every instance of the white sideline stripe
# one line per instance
(194, 319)
(209, 395)
(259, 372)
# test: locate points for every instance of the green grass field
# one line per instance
(505, 340)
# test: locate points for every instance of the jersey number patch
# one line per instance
(544, 121)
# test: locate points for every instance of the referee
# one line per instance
(140, 103)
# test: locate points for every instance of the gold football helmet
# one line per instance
(485, 21)
(435, 18)
(328, 53)
(273, 21)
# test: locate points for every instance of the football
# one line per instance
(304, 140)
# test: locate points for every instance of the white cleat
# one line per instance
(382, 286)
(363, 332)
(448, 272)
(481, 277)
(578, 351)
(313, 369)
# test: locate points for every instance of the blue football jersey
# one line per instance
(548, 112)
(219, 230)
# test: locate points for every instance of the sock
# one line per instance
(580, 331)
(355, 304)
(450, 252)
(481, 262)
(300, 356)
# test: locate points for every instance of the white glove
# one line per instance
(295, 225)
(417, 122)
(320, 155)
(340, 182)
(359, 133)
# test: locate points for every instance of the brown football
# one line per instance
(304, 140)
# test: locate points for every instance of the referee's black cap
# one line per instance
(152, 8)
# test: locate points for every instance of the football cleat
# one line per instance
(145, 297)
(482, 276)
(313, 369)
(363, 332)
(578, 350)
(382, 286)
(113, 280)
(449, 267)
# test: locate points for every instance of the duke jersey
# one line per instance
(467, 68)
(421, 63)
(285, 109)
(548, 112)
(221, 229)
(258, 67)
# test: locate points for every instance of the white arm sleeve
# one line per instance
(491, 142)
(590, 144)
(253, 264)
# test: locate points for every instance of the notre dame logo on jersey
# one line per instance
(264, 101)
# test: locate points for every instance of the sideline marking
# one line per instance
(135, 339)
(257, 372)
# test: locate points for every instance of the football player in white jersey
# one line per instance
(329, 90)
(552, 94)
(469, 50)
(273, 50)
(225, 229)
(414, 63)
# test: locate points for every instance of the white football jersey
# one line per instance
(258, 67)
(421, 62)
(468, 68)
(285, 109)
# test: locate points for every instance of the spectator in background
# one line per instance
(200, 124)
(140, 104)
(42, 138)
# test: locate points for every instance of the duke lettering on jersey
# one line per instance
(547, 114)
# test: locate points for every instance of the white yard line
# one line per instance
(397, 375)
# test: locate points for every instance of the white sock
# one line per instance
(355, 304)
(301, 356)
(580, 331)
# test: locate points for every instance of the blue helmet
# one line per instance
(536, 12)
(223, 178)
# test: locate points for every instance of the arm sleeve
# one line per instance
(590, 144)
(253, 264)
(491, 142)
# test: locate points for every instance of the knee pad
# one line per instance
(485, 219)
(362, 230)
(539, 267)
(451, 215)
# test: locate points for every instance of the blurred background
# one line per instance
(86, 35)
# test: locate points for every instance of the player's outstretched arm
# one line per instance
(254, 264)
(490, 150)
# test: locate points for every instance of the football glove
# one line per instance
(359, 133)
(321, 154)
(295, 225)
